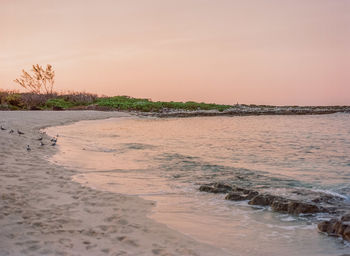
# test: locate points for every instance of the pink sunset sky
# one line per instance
(283, 52)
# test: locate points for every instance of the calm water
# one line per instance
(165, 159)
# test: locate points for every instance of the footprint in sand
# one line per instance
(66, 242)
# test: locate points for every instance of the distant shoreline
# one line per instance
(12, 100)
(256, 111)
(236, 110)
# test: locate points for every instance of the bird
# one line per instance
(12, 131)
(53, 144)
(19, 132)
(41, 143)
(40, 138)
(2, 128)
(28, 148)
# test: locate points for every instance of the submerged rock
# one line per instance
(337, 227)
(297, 201)
(295, 207)
(293, 201)
(280, 205)
(285, 205)
(234, 196)
(241, 194)
(264, 200)
(216, 187)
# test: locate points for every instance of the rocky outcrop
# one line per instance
(337, 227)
(298, 201)
(277, 203)
(285, 205)
(216, 187)
(241, 195)
(249, 110)
(264, 200)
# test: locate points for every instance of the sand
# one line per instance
(44, 212)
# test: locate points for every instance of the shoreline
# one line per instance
(236, 110)
(242, 110)
(113, 181)
(44, 212)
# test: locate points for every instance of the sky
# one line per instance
(290, 52)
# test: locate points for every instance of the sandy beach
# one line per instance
(43, 212)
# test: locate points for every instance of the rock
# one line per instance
(263, 200)
(216, 188)
(251, 194)
(336, 227)
(345, 217)
(296, 207)
(279, 206)
(324, 226)
(234, 196)
(240, 194)
(299, 201)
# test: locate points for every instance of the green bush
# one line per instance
(14, 100)
(58, 103)
(146, 105)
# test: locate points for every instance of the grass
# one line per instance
(146, 105)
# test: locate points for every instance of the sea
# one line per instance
(166, 160)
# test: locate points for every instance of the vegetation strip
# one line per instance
(13, 100)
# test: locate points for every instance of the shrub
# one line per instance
(80, 98)
(58, 103)
(14, 100)
(36, 101)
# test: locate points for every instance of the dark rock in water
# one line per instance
(299, 201)
(248, 192)
(235, 196)
(240, 194)
(327, 226)
(328, 199)
(345, 217)
(216, 188)
(251, 194)
(336, 227)
(263, 199)
(296, 207)
(280, 204)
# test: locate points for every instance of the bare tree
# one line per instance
(40, 82)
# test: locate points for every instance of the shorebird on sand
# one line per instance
(19, 132)
(28, 148)
(53, 144)
(2, 128)
(12, 131)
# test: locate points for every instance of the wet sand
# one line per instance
(44, 212)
